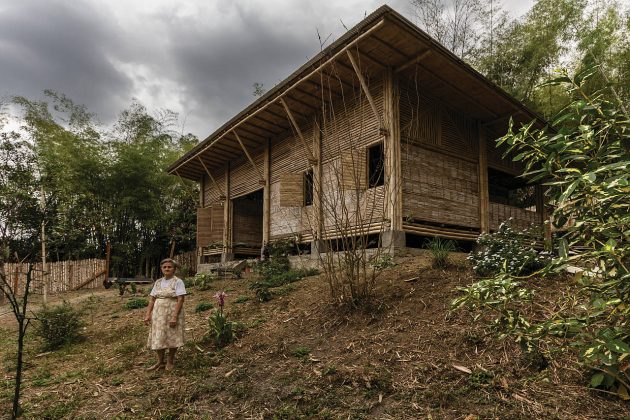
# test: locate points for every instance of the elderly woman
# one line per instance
(165, 316)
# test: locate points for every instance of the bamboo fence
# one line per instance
(187, 262)
(59, 277)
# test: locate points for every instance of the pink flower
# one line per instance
(220, 297)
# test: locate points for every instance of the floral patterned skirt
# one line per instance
(161, 335)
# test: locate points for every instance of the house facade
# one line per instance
(384, 135)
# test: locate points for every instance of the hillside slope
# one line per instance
(300, 357)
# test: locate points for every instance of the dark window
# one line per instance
(308, 187)
(510, 190)
(376, 164)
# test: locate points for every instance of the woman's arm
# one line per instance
(180, 303)
(147, 318)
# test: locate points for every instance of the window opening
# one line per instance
(510, 190)
(376, 164)
(308, 188)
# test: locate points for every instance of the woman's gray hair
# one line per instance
(169, 260)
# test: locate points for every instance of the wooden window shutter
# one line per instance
(353, 169)
(204, 226)
(217, 223)
(292, 190)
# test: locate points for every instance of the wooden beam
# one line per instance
(367, 92)
(484, 194)
(210, 175)
(389, 46)
(413, 61)
(260, 175)
(309, 154)
(391, 105)
(91, 279)
(267, 195)
(286, 91)
(318, 180)
(227, 217)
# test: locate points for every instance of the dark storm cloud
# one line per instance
(61, 46)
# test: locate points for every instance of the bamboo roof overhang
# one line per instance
(383, 39)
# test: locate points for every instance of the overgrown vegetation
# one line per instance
(136, 303)
(440, 249)
(585, 161)
(58, 325)
(507, 250)
(203, 307)
(221, 330)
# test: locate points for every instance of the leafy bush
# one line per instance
(136, 303)
(203, 306)
(508, 250)
(382, 262)
(58, 325)
(262, 287)
(241, 299)
(273, 266)
(585, 162)
(203, 281)
(440, 249)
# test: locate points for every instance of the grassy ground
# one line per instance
(300, 357)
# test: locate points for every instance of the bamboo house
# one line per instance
(384, 134)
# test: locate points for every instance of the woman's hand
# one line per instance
(147, 319)
(172, 323)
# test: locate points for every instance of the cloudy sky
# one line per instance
(198, 58)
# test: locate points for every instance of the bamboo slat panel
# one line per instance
(354, 169)
(244, 178)
(216, 230)
(61, 276)
(350, 124)
(292, 190)
(439, 188)
(211, 192)
(521, 218)
(204, 226)
(288, 153)
(427, 121)
(247, 222)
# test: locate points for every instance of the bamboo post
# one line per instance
(107, 255)
(393, 150)
(227, 218)
(484, 194)
(267, 195)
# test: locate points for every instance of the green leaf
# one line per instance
(597, 379)
(618, 346)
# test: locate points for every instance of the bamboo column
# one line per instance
(393, 173)
(227, 218)
(484, 194)
(267, 194)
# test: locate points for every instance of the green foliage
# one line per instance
(221, 330)
(203, 306)
(241, 299)
(440, 249)
(101, 186)
(262, 287)
(272, 266)
(383, 261)
(301, 352)
(136, 303)
(203, 281)
(506, 250)
(58, 325)
(585, 162)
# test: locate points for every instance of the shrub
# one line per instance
(220, 328)
(272, 266)
(382, 262)
(263, 294)
(203, 281)
(136, 303)
(508, 250)
(203, 306)
(440, 249)
(301, 352)
(58, 325)
(241, 299)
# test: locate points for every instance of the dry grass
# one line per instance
(302, 358)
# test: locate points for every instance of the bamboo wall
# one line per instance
(62, 276)
(247, 216)
(521, 218)
(439, 150)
